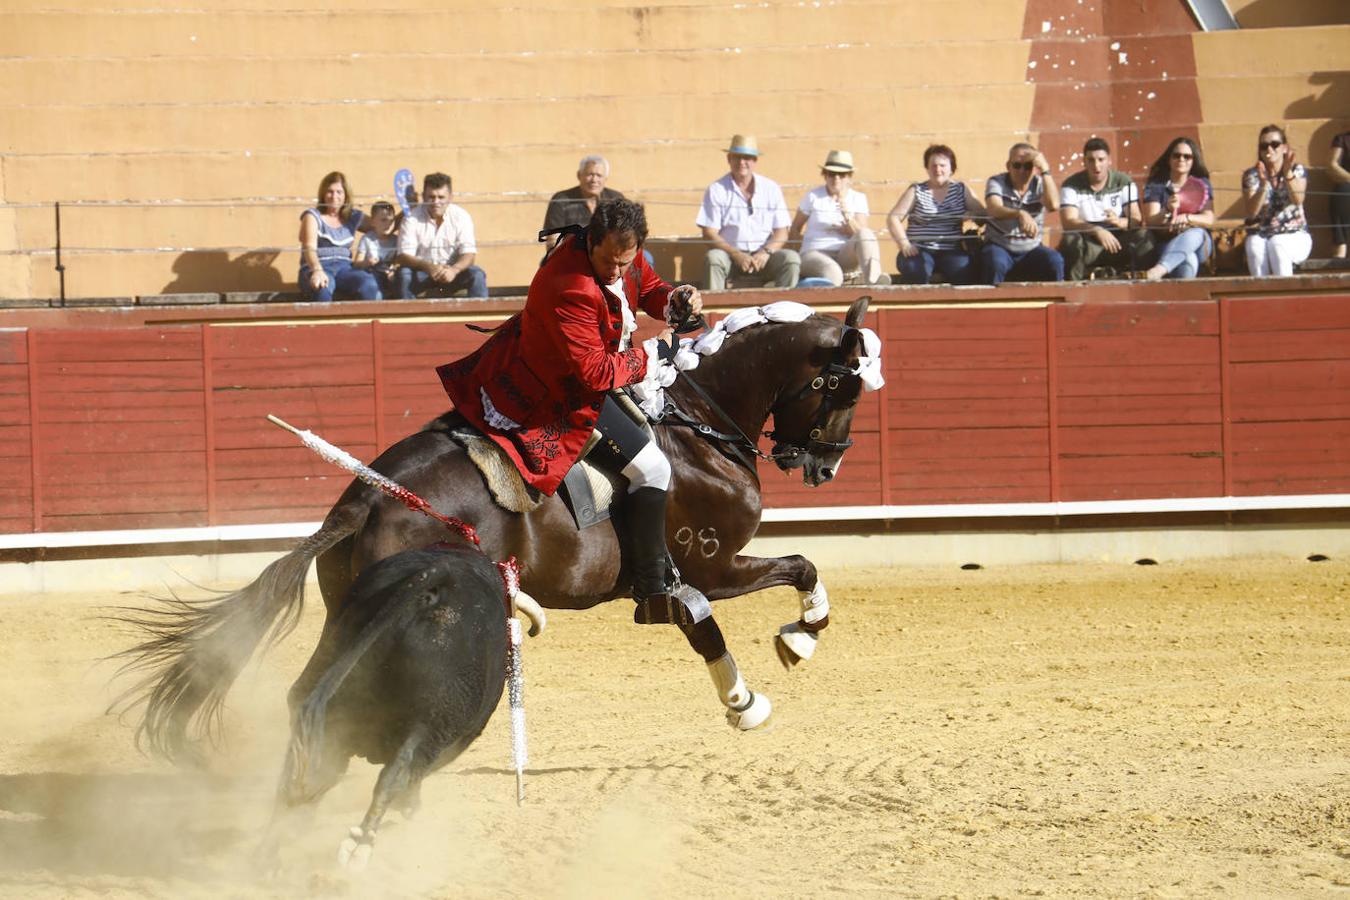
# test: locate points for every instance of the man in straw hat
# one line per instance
(831, 222)
(745, 219)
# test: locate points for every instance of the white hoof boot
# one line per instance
(794, 644)
(353, 855)
(755, 714)
(745, 710)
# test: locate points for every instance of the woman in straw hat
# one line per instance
(831, 222)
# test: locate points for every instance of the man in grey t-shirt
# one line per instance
(1017, 201)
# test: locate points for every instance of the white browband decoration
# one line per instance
(650, 391)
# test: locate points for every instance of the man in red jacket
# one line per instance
(540, 384)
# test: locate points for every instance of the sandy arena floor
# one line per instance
(1110, 731)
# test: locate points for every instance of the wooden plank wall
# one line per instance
(164, 426)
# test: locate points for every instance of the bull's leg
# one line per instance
(298, 794)
(797, 640)
(396, 779)
(745, 708)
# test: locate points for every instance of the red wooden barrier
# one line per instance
(161, 425)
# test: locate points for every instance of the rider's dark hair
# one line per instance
(621, 216)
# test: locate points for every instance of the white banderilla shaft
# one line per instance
(516, 692)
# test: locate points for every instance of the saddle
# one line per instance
(589, 491)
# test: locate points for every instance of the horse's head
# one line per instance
(813, 414)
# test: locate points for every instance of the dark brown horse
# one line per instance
(805, 374)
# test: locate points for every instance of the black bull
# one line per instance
(196, 649)
(407, 676)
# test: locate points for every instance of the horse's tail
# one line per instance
(307, 773)
(195, 649)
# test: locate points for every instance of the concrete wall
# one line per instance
(198, 133)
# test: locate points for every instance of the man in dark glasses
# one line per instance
(1017, 201)
(1103, 226)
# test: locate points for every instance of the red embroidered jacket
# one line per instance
(549, 367)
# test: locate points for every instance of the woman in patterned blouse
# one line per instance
(926, 223)
(1272, 195)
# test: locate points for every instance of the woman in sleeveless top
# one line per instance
(926, 223)
(327, 240)
(1179, 208)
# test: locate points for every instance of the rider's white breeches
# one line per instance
(649, 468)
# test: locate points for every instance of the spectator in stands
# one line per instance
(327, 238)
(831, 222)
(436, 248)
(377, 250)
(1339, 170)
(1103, 227)
(574, 206)
(1017, 201)
(745, 218)
(926, 223)
(1179, 206)
(1272, 195)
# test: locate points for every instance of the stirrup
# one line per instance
(680, 605)
(660, 609)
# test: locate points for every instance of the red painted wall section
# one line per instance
(412, 394)
(319, 377)
(16, 470)
(966, 391)
(1120, 69)
(1139, 407)
(119, 429)
(1289, 370)
(158, 426)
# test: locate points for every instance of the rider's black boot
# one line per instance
(646, 513)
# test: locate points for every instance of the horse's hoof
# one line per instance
(360, 858)
(755, 713)
(794, 644)
(345, 851)
(354, 851)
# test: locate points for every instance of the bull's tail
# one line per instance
(195, 649)
(308, 773)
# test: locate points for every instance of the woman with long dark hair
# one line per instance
(1179, 203)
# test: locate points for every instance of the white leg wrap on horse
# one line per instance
(727, 679)
(795, 643)
(649, 468)
(815, 603)
(745, 709)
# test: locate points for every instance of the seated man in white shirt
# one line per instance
(745, 218)
(436, 248)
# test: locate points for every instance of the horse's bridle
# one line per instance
(787, 453)
(830, 384)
